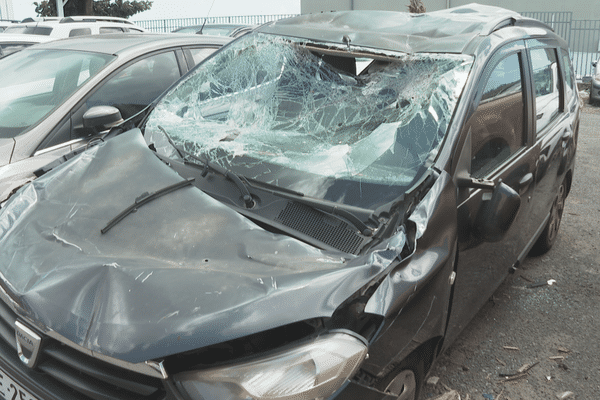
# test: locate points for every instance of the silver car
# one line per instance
(46, 90)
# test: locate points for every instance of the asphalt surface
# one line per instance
(553, 328)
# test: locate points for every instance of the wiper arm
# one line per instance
(143, 199)
(208, 165)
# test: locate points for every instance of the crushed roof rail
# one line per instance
(448, 31)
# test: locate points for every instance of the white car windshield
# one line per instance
(34, 82)
(266, 105)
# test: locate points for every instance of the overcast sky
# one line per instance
(166, 9)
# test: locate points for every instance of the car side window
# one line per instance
(546, 86)
(137, 85)
(568, 73)
(497, 123)
(80, 32)
(110, 29)
(8, 48)
(200, 53)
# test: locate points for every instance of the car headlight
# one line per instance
(15, 208)
(313, 370)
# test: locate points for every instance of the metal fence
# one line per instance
(584, 44)
(583, 37)
(559, 21)
(169, 25)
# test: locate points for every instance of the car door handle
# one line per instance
(525, 181)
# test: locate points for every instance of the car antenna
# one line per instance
(206, 19)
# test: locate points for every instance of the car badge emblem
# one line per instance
(28, 344)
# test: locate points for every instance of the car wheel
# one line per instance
(550, 232)
(406, 380)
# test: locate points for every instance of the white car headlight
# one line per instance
(313, 370)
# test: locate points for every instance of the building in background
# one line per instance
(6, 9)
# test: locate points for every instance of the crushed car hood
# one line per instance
(182, 272)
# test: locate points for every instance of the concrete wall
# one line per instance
(582, 9)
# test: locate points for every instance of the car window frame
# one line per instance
(122, 91)
(541, 43)
(66, 121)
(567, 69)
(189, 57)
(506, 50)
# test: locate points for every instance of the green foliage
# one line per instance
(416, 6)
(115, 8)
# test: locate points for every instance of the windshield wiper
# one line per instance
(143, 199)
(209, 165)
(347, 212)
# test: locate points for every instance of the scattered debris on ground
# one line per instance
(521, 373)
(451, 395)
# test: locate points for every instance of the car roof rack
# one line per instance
(94, 18)
(78, 18)
(39, 19)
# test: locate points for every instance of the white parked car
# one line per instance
(4, 23)
(73, 26)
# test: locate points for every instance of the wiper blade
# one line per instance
(208, 165)
(143, 199)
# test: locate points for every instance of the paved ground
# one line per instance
(556, 327)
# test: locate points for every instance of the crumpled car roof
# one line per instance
(446, 31)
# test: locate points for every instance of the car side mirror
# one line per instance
(102, 118)
(500, 202)
(497, 213)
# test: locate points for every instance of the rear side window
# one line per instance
(8, 48)
(80, 32)
(110, 29)
(30, 30)
(568, 71)
(546, 85)
(199, 54)
(497, 124)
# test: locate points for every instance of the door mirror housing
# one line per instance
(496, 214)
(102, 118)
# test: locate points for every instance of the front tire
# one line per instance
(406, 380)
(550, 232)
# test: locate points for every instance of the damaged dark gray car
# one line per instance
(315, 212)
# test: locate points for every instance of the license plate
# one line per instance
(11, 390)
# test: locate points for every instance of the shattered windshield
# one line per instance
(295, 114)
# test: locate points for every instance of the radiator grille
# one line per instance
(69, 371)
